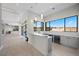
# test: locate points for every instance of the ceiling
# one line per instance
(12, 12)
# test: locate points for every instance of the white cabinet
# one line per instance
(42, 43)
(70, 41)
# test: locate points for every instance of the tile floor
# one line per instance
(14, 45)
(61, 50)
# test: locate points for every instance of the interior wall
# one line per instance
(0, 24)
(9, 17)
(29, 29)
(1, 27)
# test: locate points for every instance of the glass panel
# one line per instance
(48, 26)
(71, 24)
(42, 27)
(38, 26)
(35, 26)
(57, 25)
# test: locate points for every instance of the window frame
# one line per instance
(64, 24)
(46, 25)
(76, 24)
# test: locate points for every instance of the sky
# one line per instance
(69, 22)
(38, 24)
(57, 23)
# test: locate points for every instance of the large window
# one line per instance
(57, 25)
(38, 26)
(71, 24)
(68, 24)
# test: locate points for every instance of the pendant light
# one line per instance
(41, 16)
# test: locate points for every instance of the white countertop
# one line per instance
(40, 34)
(69, 34)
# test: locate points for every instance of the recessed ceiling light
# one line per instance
(41, 16)
(31, 7)
(53, 8)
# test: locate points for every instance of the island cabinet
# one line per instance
(70, 41)
(42, 43)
